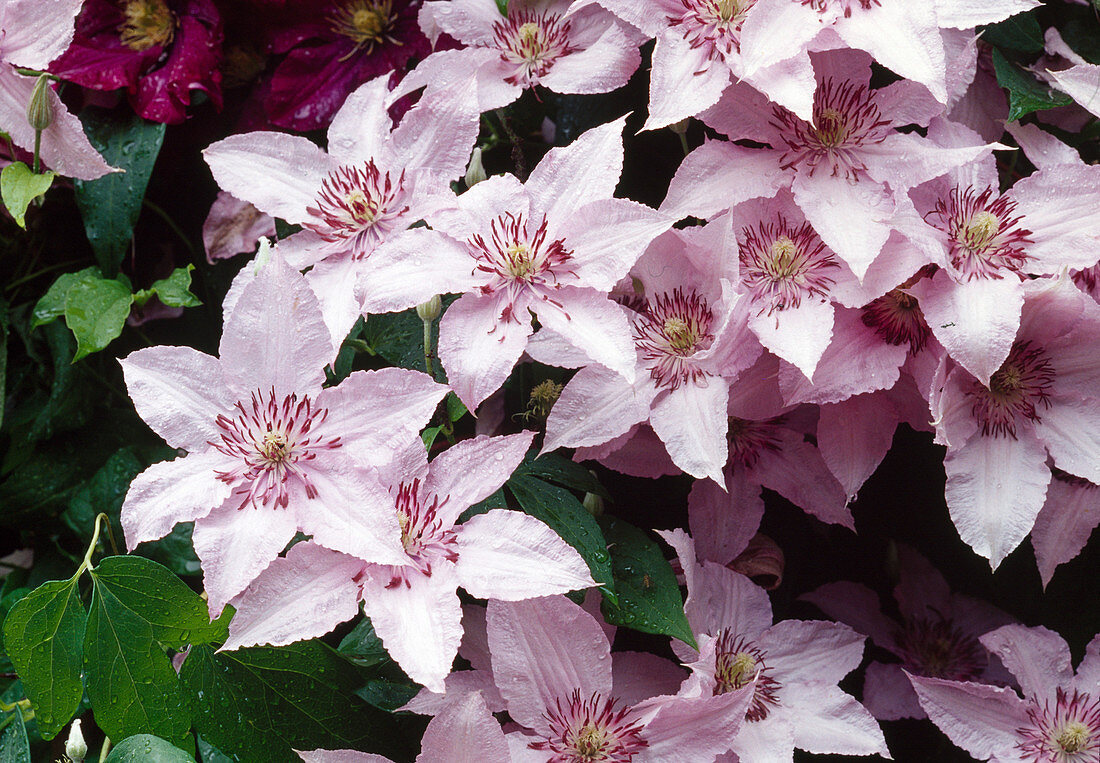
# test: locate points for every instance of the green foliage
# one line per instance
(14, 745)
(648, 598)
(562, 471)
(95, 308)
(146, 748)
(1025, 93)
(502, 6)
(566, 516)
(1020, 33)
(262, 703)
(110, 205)
(43, 633)
(19, 186)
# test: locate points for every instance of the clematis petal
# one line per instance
(798, 335)
(596, 406)
(684, 80)
(171, 492)
(178, 392)
(691, 422)
(601, 67)
(1038, 657)
(472, 470)
(464, 732)
(980, 719)
(593, 324)
(37, 32)
(411, 268)
(303, 595)
(586, 170)
(509, 555)
(1067, 519)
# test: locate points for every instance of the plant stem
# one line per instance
(428, 349)
(87, 563)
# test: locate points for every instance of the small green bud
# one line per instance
(40, 109)
(75, 747)
(430, 310)
(681, 127)
(475, 172)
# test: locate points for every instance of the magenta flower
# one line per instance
(848, 162)
(553, 665)
(412, 601)
(337, 46)
(1041, 403)
(159, 50)
(795, 701)
(564, 46)
(376, 180)
(32, 35)
(269, 452)
(937, 635)
(1057, 719)
(232, 227)
(553, 247)
(464, 732)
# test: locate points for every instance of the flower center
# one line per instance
(361, 205)
(542, 399)
(423, 536)
(1018, 389)
(517, 258)
(669, 331)
(737, 661)
(749, 439)
(273, 442)
(146, 23)
(1067, 732)
(936, 648)
(713, 25)
(782, 265)
(591, 730)
(984, 237)
(367, 23)
(530, 43)
(897, 319)
(846, 120)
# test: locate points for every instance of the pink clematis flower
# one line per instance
(698, 54)
(331, 48)
(464, 732)
(1041, 403)
(903, 36)
(796, 664)
(1057, 719)
(991, 242)
(1064, 524)
(553, 247)
(159, 50)
(375, 181)
(690, 342)
(269, 452)
(412, 601)
(553, 665)
(33, 34)
(848, 162)
(557, 44)
(936, 636)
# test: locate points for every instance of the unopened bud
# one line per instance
(593, 504)
(681, 127)
(40, 109)
(475, 172)
(430, 310)
(762, 561)
(75, 746)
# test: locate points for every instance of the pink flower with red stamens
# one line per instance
(269, 452)
(412, 601)
(553, 248)
(595, 728)
(1056, 721)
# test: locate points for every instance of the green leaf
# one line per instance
(43, 633)
(566, 516)
(563, 471)
(502, 6)
(19, 186)
(52, 303)
(173, 291)
(95, 311)
(363, 647)
(111, 204)
(146, 748)
(14, 745)
(176, 615)
(1020, 33)
(456, 409)
(1082, 34)
(262, 703)
(130, 680)
(648, 596)
(1025, 93)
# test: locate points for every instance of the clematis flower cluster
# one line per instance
(838, 256)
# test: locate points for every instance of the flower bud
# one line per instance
(681, 127)
(40, 109)
(475, 172)
(75, 746)
(430, 310)
(593, 504)
(762, 561)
